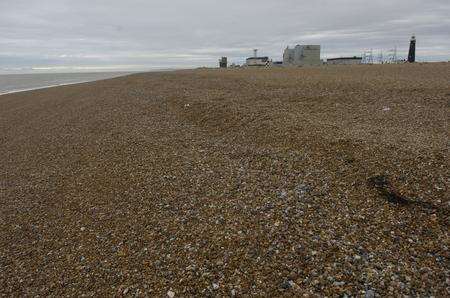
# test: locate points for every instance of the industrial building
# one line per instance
(344, 61)
(257, 61)
(302, 55)
(223, 62)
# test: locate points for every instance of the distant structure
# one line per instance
(412, 50)
(302, 55)
(257, 61)
(392, 56)
(367, 57)
(344, 60)
(223, 62)
(381, 57)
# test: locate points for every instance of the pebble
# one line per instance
(287, 284)
(369, 294)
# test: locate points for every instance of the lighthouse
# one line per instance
(412, 50)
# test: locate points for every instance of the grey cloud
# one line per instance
(144, 34)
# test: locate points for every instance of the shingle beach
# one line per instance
(325, 181)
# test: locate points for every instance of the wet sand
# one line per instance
(268, 182)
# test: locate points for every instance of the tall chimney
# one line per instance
(255, 53)
(412, 50)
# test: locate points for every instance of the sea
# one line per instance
(11, 83)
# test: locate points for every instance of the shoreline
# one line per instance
(44, 87)
(117, 75)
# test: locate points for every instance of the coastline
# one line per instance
(94, 77)
(43, 87)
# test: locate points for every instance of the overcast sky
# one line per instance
(80, 35)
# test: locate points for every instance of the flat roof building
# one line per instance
(257, 61)
(344, 60)
(302, 55)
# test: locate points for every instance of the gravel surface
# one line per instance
(269, 182)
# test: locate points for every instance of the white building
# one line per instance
(257, 61)
(302, 55)
(344, 61)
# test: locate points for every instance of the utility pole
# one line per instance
(395, 54)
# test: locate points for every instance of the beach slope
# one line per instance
(265, 182)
